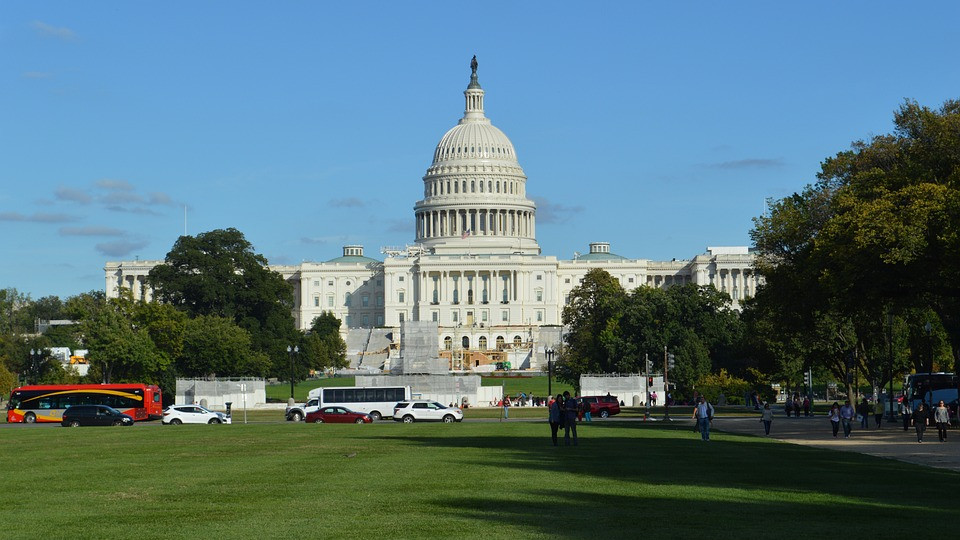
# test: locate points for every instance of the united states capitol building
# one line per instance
(475, 267)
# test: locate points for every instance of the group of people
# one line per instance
(795, 403)
(564, 410)
(844, 416)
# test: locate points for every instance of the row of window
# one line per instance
(440, 187)
(481, 342)
(364, 395)
(504, 316)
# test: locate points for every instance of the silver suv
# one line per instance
(422, 410)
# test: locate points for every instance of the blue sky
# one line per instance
(658, 127)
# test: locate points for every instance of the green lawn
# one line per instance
(469, 480)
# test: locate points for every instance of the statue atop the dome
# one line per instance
(473, 65)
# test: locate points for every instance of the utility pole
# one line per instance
(666, 383)
(646, 386)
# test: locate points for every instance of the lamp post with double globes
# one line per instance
(549, 352)
(36, 359)
(292, 351)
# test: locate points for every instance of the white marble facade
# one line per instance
(475, 266)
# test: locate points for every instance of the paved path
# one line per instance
(889, 442)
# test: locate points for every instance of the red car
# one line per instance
(337, 415)
(602, 406)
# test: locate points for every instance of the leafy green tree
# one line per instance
(323, 347)
(217, 273)
(8, 381)
(215, 345)
(591, 314)
(119, 349)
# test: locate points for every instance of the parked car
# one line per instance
(192, 414)
(299, 411)
(602, 406)
(338, 415)
(94, 415)
(422, 410)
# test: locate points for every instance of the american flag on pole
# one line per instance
(465, 234)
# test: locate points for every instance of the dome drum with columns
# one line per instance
(475, 267)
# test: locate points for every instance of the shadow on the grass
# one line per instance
(891, 492)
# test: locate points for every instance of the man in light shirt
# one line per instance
(704, 414)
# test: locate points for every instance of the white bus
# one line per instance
(377, 401)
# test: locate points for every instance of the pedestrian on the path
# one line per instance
(864, 414)
(847, 415)
(788, 406)
(585, 407)
(878, 411)
(919, 420)
(905, 411)
(704, 414)
(806, 406)
(941, 415)
(767, 418)
(570, 407)
(506, 407)
(556, 416)
(835, 418)
(796, 404)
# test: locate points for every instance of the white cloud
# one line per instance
(114, 185)
(91, 231)
(62, 32)
(550, 212)
(120, 248)
(72, 195)
(37, 217)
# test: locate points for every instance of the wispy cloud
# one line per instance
(37, 217)
(400, 225)
(91, 231)
(750, 163)
(160, 198)
(37, 75)
(114, 184)
(120, 248)
(323, 240)
(72, 195)
(350, 202)
(137, 210)
(121, 197)
(550, 212)
(48, 30)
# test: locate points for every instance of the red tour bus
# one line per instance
(46, 403)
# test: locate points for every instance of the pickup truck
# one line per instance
(299, 411)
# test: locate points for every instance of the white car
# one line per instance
(421, 410)
(192, 414)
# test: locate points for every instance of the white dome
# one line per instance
(474, 140)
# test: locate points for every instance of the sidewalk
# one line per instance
(888, 442)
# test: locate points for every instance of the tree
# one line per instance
(591, 314)
(120, 349)
(215, 345)
(217, 273)
(877, 234)
(323, 348)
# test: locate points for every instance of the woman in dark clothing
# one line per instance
(556, 415)
(919, 419)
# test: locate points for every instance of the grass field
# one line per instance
(470, 480)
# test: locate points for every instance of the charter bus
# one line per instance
(46, 403)
(931, 388)
(377, 401)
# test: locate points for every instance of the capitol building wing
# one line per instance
(474, 268)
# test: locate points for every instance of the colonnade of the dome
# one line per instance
(479, 222)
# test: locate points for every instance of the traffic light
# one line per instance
(649, 365)
(671, 361)
(806, 379)
(649, 381)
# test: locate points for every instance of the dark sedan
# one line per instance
(337, 415)
(94, 415)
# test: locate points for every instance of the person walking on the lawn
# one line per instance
(919, 420)
(767, 418)
(556, 415)
(905, 412)
(847, 416)
(835, 418)
(570, 407)
(704, 414)
(941, 415)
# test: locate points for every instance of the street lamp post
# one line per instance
(35, 357)
(549, 352)
(292, 351)
(893, 415)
